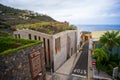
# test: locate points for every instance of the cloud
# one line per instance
(74, 11)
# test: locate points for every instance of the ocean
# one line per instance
(98, 27)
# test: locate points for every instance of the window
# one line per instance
(48, 42)
(35, 37)
(39, 38)
(57, 45)
(29, 36)
(45, 51)
(15, 35)
(19, 36)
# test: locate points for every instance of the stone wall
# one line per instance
(16, 66)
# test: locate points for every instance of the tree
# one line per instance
(110, 39)
(100, 55)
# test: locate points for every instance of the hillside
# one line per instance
(11, 17)
(47, 27)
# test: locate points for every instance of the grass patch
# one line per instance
(47, 27)
(3, 33)
(10, 45)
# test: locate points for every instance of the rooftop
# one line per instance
(86, 32)
(10, 45)
(47, 27)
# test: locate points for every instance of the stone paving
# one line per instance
(68, 65)
(64, 71)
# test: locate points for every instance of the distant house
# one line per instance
(86, 36)
(58, 47)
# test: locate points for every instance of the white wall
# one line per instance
(78, 36)
(61, 57)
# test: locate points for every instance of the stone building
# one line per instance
(57, 47)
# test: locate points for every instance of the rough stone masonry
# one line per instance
(16, 66)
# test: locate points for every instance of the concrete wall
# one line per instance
(73, 42)
(79, 30)
(61, 56)
(16, 66)
(56, 59)
(24, 35)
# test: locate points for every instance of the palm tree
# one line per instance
(100, 55)
(110, 39)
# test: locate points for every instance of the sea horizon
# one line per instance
(97, 27)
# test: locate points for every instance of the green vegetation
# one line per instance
(106, 59)
(10, 17)
(10, 45)
(101, 55)
(4, 25)
(3, 33)
(110, 39)
(47, 27)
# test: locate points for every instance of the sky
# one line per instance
(79, 12)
